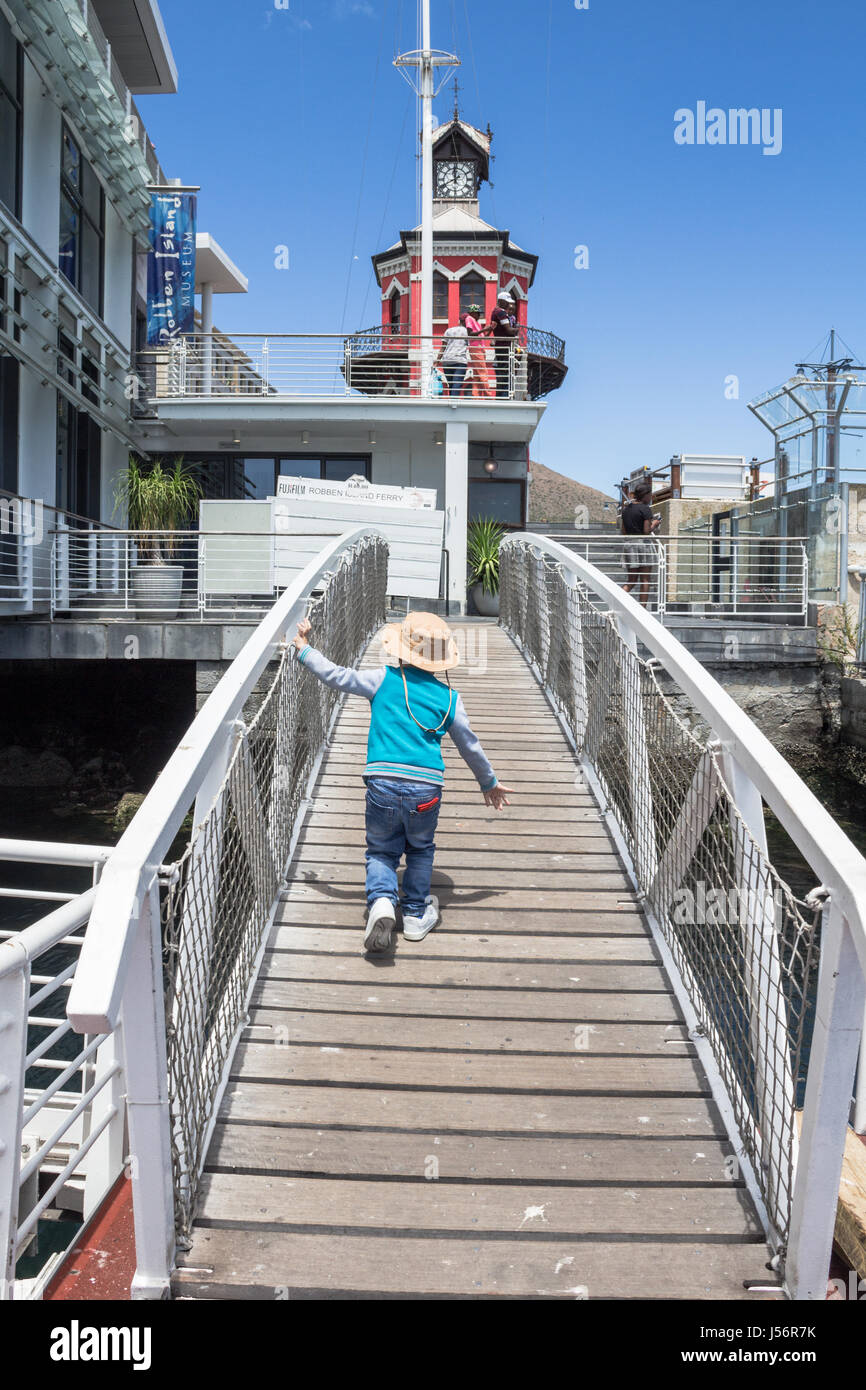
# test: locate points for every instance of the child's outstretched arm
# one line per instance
(470, 750)
(345, 678)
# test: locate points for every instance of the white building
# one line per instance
(79, 389)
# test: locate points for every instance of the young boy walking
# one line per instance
(410, 713)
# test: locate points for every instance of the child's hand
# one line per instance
(304, 627)
(498, 796)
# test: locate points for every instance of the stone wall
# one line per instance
(853, 711)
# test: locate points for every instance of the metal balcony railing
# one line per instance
(713, 576)
(374, 362)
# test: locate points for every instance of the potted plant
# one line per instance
(157, 500)
(482, 552)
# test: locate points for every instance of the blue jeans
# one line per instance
(395, 826)
(455, 372)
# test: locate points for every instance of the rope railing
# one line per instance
(682, 775)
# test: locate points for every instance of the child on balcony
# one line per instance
(410, 713)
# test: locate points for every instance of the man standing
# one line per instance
(503, 326)
(638, 524)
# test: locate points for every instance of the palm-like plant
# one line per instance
(482, 552)
(157, 498)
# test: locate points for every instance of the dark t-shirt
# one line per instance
(634, 514)
(503, 323)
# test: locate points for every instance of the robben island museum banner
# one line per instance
(171, 266)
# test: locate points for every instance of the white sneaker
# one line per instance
(416, 928)
(381, 919)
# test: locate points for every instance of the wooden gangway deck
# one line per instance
(511, 1107)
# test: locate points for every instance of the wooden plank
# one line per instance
(474, 820)
(578, 1074)
(850, 1235)
(459, 1034)
(452, 895)
(432, 1112)
(501, 860)
(270, 1265)
(460, 945)
(544, 881)
(365, 1153)
(592, 839)
(376, 997)
(617, 917)
(267, 1203)
(406, 968)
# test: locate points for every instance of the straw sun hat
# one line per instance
(422, 640)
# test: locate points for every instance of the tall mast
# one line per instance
(426, 181)
(426, 59)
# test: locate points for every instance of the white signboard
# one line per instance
(356, 490)
(414, 536)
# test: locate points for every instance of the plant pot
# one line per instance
(486, 604)
(156, 590)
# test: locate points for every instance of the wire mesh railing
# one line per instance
(222, 890)
(182, 913)
(655, 734)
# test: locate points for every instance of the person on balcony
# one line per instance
(638, 525)
(476, 327)
(410, 714)
(454, 357)
(503, 326)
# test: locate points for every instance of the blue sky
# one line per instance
(705, 261)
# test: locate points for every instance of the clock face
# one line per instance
(455, 178)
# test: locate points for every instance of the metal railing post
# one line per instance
(14, 999)
(144, 1049)
(105, 1162)
(839, 1012)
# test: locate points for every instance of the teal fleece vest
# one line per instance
(396, 746)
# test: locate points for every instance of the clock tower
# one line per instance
(461, 163)
(473, 263)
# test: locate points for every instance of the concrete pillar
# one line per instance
(207, 337)
(456, 510)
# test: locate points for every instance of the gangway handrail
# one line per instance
(609, 693)
(97, 991)
(838, 862)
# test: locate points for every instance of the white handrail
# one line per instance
(837, 862)
(97, 991)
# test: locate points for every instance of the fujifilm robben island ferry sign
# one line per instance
(356, 489)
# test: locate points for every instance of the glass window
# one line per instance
(440, 295)
(259, 477)
(499, 500)
(338, 470)
(10, 119)
(303, 467)
(471, 292)
(82, 224)
(395, 311)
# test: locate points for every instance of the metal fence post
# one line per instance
(14, 1001)
(145, 1065)
(836, 1036)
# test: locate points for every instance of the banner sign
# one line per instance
(316, 490)
(171, 267)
